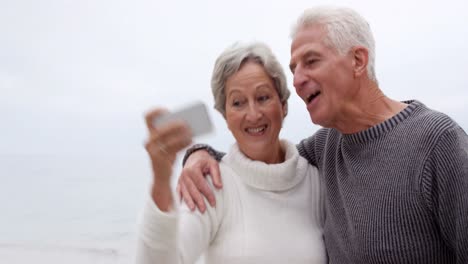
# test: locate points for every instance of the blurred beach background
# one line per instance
(63, 209)
(77, 76)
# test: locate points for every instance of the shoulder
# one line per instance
(226, 170)
(430, 125)
(434, 119)
(319, 138)
(231, 181)
(309, 170)
(313, 147)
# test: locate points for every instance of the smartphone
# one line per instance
(196, 116)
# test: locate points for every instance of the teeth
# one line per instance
(312, 96)
(256, 130)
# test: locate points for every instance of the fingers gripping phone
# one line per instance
(196, 116)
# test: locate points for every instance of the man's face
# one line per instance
(323, 78)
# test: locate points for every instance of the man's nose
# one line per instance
(300, 79)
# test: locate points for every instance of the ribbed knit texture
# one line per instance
(396, 192)
(264, 214)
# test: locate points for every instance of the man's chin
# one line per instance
(317, 120)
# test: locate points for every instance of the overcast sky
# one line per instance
(77, 76)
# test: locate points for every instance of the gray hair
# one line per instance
(345, 29)
(231, 60)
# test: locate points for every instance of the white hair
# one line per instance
(231, 60)
(345, 29)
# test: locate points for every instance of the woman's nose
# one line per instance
(253, 113)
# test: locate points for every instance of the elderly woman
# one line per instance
(263, 214)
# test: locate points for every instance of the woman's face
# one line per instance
(254, 112)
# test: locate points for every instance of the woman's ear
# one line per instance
(285, 109)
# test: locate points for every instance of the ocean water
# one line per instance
(70, 209)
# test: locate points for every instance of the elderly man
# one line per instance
(395, 173)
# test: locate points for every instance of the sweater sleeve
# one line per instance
(306, 149)
(218, 155)
(445, 187)
(177, 237)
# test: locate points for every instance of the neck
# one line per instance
(368, 108)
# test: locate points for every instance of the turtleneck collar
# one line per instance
(269, 177)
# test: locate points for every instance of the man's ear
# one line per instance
(360, 60)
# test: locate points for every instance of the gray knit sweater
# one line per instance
(396, 192)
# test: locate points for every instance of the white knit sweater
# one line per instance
(265, 213)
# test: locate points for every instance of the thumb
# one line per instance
(213, 169)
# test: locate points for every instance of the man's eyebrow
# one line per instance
(292, 66)
(311, 53)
